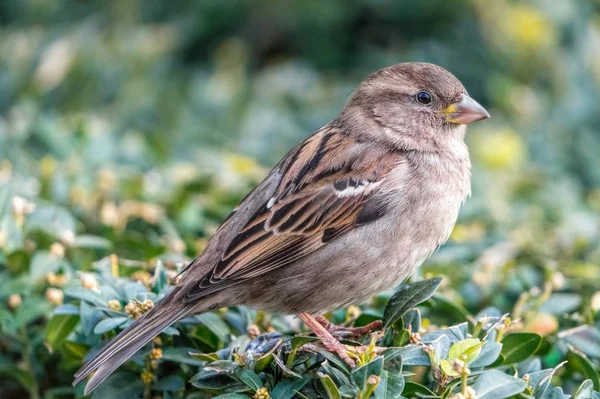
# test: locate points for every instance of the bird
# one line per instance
(350, 211)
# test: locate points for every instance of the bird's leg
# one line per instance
(349, 331)
(329, 341)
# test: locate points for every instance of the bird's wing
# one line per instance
(327, 186)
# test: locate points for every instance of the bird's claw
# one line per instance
(349, 331)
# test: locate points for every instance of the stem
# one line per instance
(34, 388)
(463, 388)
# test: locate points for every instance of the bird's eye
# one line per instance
(423, 97)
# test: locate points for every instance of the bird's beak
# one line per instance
(465, 111)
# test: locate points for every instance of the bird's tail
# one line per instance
(129, 341)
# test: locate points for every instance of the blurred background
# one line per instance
(133, 128)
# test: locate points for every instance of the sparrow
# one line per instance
(350, 211)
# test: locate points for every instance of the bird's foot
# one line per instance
(329, 341)
(341, 350)
(349, 331)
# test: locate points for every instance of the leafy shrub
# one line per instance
(109, 183)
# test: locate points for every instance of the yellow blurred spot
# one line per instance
(243, 165)
(528, 27)
(47, 166)
(468, 232)
(499, 150)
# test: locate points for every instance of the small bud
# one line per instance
(373, 380)
(147, 377)
(353, 312)
(595, 303)
(153, 364)
(109, 214)
(429, 349)
(106, 180)
(89, 281)
(415, 338)
(178, 246)
(55, 296)
(558, 280)
(67, 237)
(57, 250)
(471, 394)
(114, 304)
(253, 331)
(22, 206)
(526, 378)
(262, 393)
(142, 277)
(156, 354)
(14, 301)
(157, 341)
(147, 305)
(458, 365)
(132, 310)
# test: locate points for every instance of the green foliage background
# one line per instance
(133, 127)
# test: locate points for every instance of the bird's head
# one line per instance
(419, 106)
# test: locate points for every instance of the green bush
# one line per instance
(110, 114)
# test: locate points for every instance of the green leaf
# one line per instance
(488, 355)
(58, 328)
(407, 297)
(160, 278)
(300, 340)
(412, 389)
(585, 338)
(32, 308)
(414, 356)
(517, 347)
(217, 380)
(494, 384)
(181, 355)
(287, 388)
(392, 360)
(466, 350)
(580, 362)
(560, 303)
(169, 383)
(540, 380)
(87, 295)
(216, 325)
(42, 263)
(109, 324)
(390, 386)
(331, 389)
(24, 379)
(207, 357)
(249, 378)
(91, 242)
(90, 316)
(360, 375)
(585, 391)
(52, 219)
(120, 385)
(75, 349)
(556, 393)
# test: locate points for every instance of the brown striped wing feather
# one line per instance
(327, 188)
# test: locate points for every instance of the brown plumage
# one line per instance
(350, 211)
